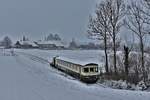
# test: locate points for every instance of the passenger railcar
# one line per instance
(85, 72)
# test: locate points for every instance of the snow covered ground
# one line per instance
(93, 56)
(28, 77)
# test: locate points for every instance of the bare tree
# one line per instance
(116, 11)
(108, 19)
(135, 22)
(99, 25)
(7, 42)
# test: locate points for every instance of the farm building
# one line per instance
(53, 44)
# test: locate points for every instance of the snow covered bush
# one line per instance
(120, 84)
(141, 86)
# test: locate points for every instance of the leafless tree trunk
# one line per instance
(136, 22)
(127, 49)
(99, 25)
(116, 13)
(126, 62)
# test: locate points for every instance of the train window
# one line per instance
(86, 70)
(70, 65)
(65, 64)
(91, 69)
(73, 67)
(96, 69)
(76, 68)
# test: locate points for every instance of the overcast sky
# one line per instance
(37, 18)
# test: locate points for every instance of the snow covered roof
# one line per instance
(78, 61)
(57, 43)
(2, 47)
(28, 43)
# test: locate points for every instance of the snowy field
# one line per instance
(84, 55)
(28, 76)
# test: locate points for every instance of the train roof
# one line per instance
(83, 62)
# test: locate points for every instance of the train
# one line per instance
(85, 72)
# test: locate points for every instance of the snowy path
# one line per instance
(24, 79)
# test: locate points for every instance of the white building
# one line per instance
(52, 44)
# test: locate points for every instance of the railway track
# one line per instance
(34, 58)
(44, 61)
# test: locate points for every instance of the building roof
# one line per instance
(57, 43)
(2, 47)
(28, 43)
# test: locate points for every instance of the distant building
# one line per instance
(26, 44)
(51, 44)
(88, 46)
(17, 45)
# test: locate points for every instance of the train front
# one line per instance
(90, 73)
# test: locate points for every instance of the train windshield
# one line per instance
(91, 69)
(86, 70)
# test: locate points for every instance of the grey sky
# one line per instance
(67, 17)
